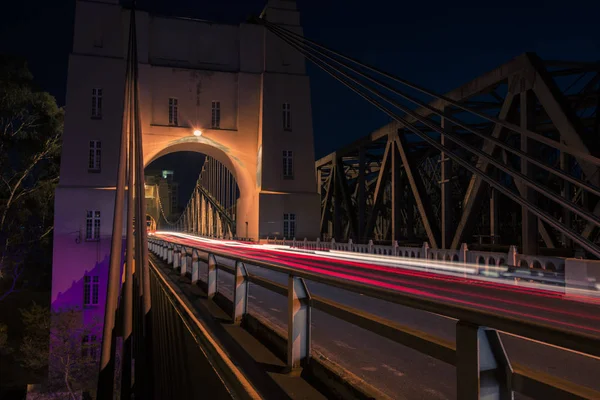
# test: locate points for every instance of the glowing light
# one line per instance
(197, 132)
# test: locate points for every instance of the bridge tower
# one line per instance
(243, 88)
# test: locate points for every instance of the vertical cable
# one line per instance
(106, 374)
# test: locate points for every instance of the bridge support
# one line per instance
(195, 267)
(240, 292)
(211, 279)
(170, 254)
(298, 323)
(483, 369)
(176, 258)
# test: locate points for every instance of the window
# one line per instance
(95, 156)
(88, 347)
(173, 111)
(90, 290)
(216, 114)
(288, 164)
(92, 227)
(289, 226)
(287, 117)
(97, 103)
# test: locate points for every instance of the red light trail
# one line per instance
(550, 307)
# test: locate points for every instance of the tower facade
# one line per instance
(242, 87)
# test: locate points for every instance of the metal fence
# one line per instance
(185, 353)
(478, 353)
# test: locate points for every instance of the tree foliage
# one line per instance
(62, 342)
(31, 125)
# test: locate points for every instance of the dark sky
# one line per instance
(439, 44)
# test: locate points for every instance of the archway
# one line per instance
(246, 205)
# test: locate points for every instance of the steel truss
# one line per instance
(211, 209)
(392, 186)
(527, 131)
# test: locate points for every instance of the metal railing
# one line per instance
(478, 353)
(540, 266)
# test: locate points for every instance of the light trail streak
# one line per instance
(382, 275)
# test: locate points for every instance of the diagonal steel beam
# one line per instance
(553, 101)
(343, 184)
(418, 190)
(378, 194)
(474, 190)
(325, 210)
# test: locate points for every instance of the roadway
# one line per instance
(401, 372)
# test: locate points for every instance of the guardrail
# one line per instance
(478, 353)
(542, 265)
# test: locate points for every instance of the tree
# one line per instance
(65, 344)
(31, 126)
(4, 346)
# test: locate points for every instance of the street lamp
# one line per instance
(197, 132)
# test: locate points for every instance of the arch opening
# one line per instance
(192, 192)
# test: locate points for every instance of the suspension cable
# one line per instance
(587, 186)
(532, 208)
(526, 132)
(456, 139)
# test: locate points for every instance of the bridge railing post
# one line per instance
(463, 253)
(170, 253)
(165, 251)
(512, 256)
(425, 251)
(186, 261)
(299, 341)
(176, 258)
(483, 369)
(371, 250)
(195, 267)
(240, 292)
(211, 278)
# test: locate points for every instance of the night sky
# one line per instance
(439, 44)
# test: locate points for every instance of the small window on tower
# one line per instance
(173, 111)
(95, 156)
(287, 117)
(97, 103)
(216, 114)
(288, 164)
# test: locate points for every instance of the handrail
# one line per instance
(582, 343)
(229, 373)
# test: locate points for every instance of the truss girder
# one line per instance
(381, 191)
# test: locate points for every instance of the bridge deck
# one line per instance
(396, 370)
